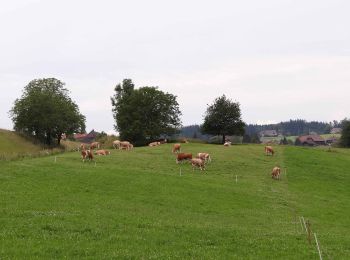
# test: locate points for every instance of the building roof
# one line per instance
(308, 138)
(269, 133)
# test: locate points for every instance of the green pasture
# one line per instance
(136, 205)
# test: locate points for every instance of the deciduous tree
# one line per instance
(223, 117)
(45, 111)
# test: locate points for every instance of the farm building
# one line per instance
(336, 130)
(86, 138)
(268, 133)
(310, 140)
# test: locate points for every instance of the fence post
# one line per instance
(318, 247)
(308, 231)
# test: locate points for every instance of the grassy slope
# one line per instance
(11, 143)
(135, 204)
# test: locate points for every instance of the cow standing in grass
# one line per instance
(176, 148)
(276, 172)
(95, 145)
(87, 155)
(116, 144)
(204, 156)
(269, 150)
(180, 157)
(199, 163)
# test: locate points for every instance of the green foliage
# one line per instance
(223, 118)
(135, 205)
(45, 111)
(144, 114)
(345, 136)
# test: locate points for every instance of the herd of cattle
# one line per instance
(199, 161)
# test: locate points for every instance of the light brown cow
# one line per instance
(204, 156)
(154, 144)
(95, 145)
(276, 171)
(180, 157)
(269, 150)
(125, 145)
(199, 163)
(102, 152)
(116, 144)
(176, 148)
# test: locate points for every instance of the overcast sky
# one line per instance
(279, 59)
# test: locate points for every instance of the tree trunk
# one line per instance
(59, 139)
(223, 138)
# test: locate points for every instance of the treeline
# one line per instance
(294, 127)
(289, 128)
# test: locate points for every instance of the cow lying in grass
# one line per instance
(204, 156)
(102, 152)
(199, 163)
(180, 157)
(154, 144)
(269, 150)
(276, 172)
(227, 143)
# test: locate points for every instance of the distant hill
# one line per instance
(293, 127)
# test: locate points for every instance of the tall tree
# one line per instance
(46, 111)
(223, 117)
(345, 136)
(144, 114)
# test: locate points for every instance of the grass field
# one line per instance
(136, 205)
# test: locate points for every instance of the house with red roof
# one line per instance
(310, 140)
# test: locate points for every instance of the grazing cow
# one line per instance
(180, 157)
(176, 148)
(95, 145)
(125, 145)
(269, 150)
(204, 156)
(197, 162)
(102, 152)
(184, 140)
(276, 171)
(227, 143)
(116, 144)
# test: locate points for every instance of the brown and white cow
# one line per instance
(269, 150)
(87, 155)
(199, 163)
(176, 148)
(204, 156)
(180, 157)
(276, 172)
